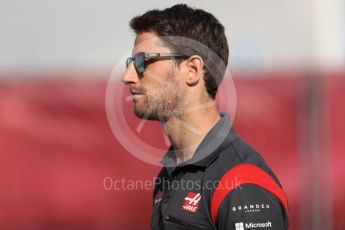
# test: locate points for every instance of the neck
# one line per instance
(187, 131)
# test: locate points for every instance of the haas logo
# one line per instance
(191, 202)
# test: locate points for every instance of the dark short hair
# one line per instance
(195, 24)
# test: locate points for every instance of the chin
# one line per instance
(152, 115)
(145, 114)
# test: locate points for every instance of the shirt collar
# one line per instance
(218, 137)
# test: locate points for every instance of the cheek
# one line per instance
(173, 90)
(153, 85)
(159, 80)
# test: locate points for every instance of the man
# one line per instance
(175, 80)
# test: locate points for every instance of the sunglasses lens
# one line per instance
(128, 61)
(140, 64)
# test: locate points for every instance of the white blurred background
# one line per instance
(41, 35)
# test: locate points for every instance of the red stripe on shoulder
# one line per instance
(245, 174)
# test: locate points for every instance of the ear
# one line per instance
(195, 69)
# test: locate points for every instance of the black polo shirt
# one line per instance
(226, 185)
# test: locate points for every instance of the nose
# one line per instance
(130, 76)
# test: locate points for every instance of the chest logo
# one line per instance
(158, 197)
(191, 202)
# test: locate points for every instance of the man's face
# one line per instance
(158, 91)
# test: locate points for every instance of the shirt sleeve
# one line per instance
(251, 207)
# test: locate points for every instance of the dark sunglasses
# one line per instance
(142, 59)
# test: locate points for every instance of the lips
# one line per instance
(136, 91)
(136, 94)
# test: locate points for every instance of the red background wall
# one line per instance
(56, 148)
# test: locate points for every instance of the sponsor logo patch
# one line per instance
(158, 197)
(191, 202)
(252, 225)
(250, 207)
(239, 226)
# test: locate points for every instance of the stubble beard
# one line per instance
(163, 103)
